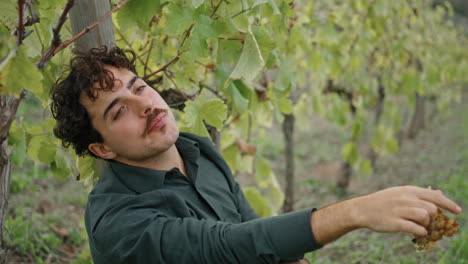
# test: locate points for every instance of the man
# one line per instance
(169, 197)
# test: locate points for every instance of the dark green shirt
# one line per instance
(139, 215)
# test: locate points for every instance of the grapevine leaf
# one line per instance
(264, 40)
(40, 149)
(214, 112)
(241, 22)
(197, 3)
(250, 62)
(138, 13)
(275, 195)
(199, 128)
(285, 81)
(350, 152)
(86, 167)
(8, 13)
(285, 105)
(61, 168)
(391, 146)
(231, 155)
(258, 203)
(201, 33)
(12, 75)
(17, 141)
(365, 167)
(263, 173)
(239, 103)
(178, 20)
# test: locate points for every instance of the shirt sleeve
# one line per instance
(134, 231)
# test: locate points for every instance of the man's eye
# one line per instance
(119, 112)
(140, 89)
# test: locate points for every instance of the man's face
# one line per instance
(134, 121)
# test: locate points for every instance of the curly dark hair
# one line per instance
(74, 125)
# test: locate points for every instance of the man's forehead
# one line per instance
(121, 77)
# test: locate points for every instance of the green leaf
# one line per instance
(199, 128)
(41, 150)
(231, 156)
(202, 31)
(178, 20)
(264, 40)
(197, 3)
(17, 142)
(285, 105)
(391, 146)
(61, 166)
(239, 103)
(258, 203)
(383, 141)
(365, 167)
(263, 173)
(86, 167)
(275, 196)
(12, 76)
(275, 8)
(285, 81)
(328, 34)
(241, 22)
(250, 62)
(8, 13)
(356, 129)
(212, 111)
(350, 152)
(138, 13)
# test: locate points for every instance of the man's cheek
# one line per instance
(128, 129)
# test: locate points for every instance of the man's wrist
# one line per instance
(355, 215)
(332, 222)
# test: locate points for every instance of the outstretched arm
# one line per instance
(397, 209)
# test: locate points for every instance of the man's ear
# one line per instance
(101, 150)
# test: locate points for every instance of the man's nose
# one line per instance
(144, 105)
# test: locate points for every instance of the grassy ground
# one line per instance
(438, 157)
(45, 220)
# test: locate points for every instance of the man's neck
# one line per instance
(167, 160)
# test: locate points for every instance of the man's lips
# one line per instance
(158, 122)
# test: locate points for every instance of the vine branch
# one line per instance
(148, 57)
(128, 44)
(20, 27)
(57, 47)
(342, 92)
(216, 8)
(34, 18)
(165, 66)
(211, 89)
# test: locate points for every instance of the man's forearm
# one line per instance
(398, 209)
(332, 222)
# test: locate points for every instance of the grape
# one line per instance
(440, 225)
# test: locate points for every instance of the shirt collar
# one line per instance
(140, 180)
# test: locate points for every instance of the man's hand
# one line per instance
(397, 209)
(401, 209)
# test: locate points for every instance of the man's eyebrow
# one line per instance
(116, 100)
(132, 81)
(109, 107)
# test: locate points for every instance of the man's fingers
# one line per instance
(431, 208)
(418, 215)
(440, 200)
(412, 227)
